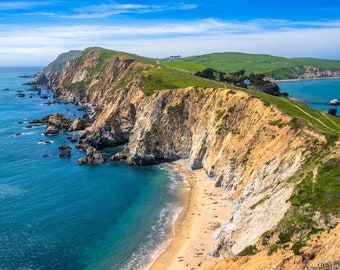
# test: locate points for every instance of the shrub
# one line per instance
(297, 246)
(248, 251)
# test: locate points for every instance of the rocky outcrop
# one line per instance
(93, 157)
(80, 123)
(50, 74)
(57, 123)
(43, 120)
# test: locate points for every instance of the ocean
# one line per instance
(315, 92)
(55, 214)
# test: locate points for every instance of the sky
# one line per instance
(34, 32)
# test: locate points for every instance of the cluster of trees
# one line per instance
(241, 79)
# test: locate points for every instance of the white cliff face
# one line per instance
(245, 145)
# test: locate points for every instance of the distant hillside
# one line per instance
(277, 68)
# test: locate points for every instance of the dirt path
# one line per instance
(316, 119)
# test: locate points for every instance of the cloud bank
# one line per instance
(41, 44)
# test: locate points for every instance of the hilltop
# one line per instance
(274, 67)
(276, 160)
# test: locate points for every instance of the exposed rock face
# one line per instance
(92, 156)
(248, 147)
(50, 75)
(120, 156)
(80, 124)
(57, 123)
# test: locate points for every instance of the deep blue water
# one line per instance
(55, 214)
(313, 90)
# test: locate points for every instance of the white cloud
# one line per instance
(39, 45)
(105, 10)
(14, 5)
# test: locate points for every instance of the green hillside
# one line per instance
(154, 76)
(272, 66)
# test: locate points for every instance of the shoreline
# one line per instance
(205, 208)
(305, 79)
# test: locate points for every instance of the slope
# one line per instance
(272, 66)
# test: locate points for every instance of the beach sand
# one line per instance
(206, 208)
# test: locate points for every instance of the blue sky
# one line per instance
(34, 32)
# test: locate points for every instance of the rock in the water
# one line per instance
(93, 156)
(57, 123)
(74, 139)
(120, 156)
(64, 147)
(66, 153)
(43, 120)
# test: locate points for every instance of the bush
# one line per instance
(273, 248)
(297, 246)
(248, 251)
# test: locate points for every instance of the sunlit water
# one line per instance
(313, 90)
(55, 214)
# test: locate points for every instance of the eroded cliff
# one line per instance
(248, 146)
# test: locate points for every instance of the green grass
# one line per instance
(273, 66)
(323, 193)
(315, 119)
(161, 78)
(154, 77)
(77, 86)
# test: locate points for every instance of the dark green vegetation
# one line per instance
(272, 66)
(240, 78)
(248, 251)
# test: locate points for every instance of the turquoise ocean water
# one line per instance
(313, 90)
(55, 214)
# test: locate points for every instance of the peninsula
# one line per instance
(264, 170)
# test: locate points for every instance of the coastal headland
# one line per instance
(258, 165)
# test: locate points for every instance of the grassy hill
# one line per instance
(272, 66)
(154, 76)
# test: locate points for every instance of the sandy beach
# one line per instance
(206, 207)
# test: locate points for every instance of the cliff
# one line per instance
(255, 152)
